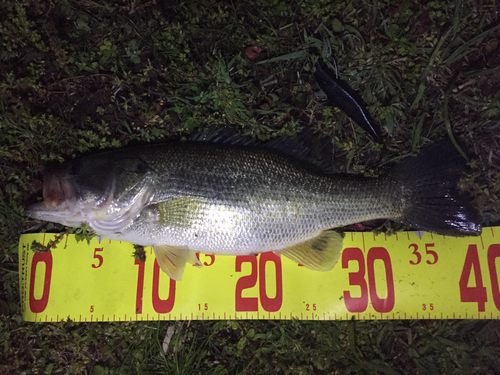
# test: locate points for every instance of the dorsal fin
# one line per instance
(305, 146)
(224, 136)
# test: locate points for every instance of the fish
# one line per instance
(343, 96)
(183, 198)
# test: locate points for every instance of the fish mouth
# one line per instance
(58, 203)
(56, 190)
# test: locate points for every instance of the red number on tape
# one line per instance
(428, 251)
(211, 256)
(472, 293)
(205, 306)
(249, 281)
(140, 286)
(360, 304)
(38, 305)
(212, 260)
(245, 282)
(98, 257)
(381, 305)
(313, 307)
(493, 254)
(270, 304)
(431, 252)
(355, 304)
(162, 306)
(416, 253)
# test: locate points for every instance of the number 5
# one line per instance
(431, 252)
(98, 257)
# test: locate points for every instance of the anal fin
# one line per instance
(172, 260)
(320, 253)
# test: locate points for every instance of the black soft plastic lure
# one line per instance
(344, 97)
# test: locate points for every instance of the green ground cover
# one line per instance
(79, 76)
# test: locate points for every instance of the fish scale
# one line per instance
(254, 200)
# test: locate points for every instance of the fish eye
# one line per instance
(76, 166)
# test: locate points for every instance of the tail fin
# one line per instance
(430, 190)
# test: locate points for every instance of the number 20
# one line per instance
(249, 281)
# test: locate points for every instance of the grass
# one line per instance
(79, 76)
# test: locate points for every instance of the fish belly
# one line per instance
(229, 229)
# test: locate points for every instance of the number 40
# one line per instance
(478, 293)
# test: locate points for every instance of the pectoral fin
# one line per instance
(172, 260)
(320, 253)
(179, 212)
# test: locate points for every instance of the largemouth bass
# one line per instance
(188, 197)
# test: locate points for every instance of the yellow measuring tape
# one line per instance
(404, 276)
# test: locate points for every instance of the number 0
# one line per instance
(270, 304)
(381, 305)
(493, 254)
(38, 305)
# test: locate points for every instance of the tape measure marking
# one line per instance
(406, 276)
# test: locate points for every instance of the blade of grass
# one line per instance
(446, 117)
(462, 51)
(417, 132)
(289, 56)
(427, 70)
(481, 72)
(457, 16)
